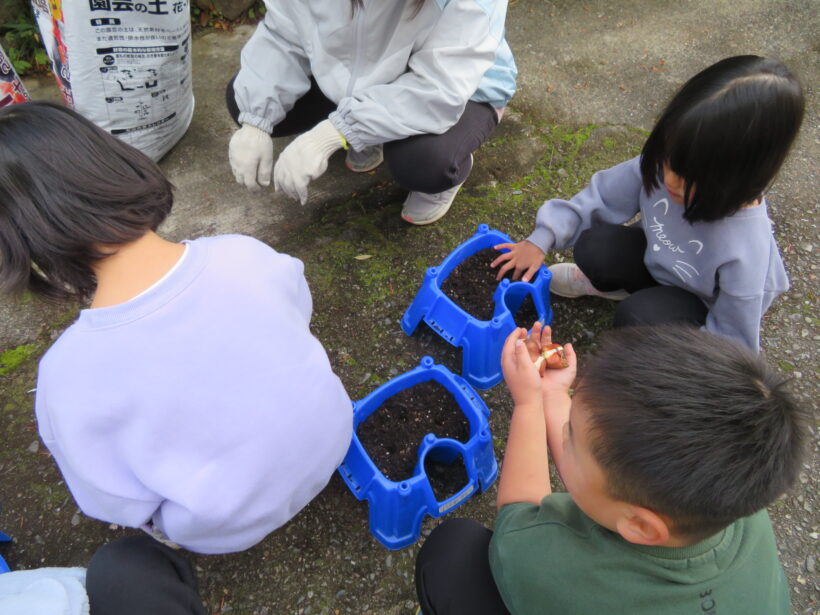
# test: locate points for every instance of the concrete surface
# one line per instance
(592, 76)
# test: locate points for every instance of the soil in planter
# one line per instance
(391, 435)
(472, 285)
(526, 314)
(446, 480)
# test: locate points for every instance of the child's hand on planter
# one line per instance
(523, 257)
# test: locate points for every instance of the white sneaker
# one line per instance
(569, 281)
(421, 208)
(365, 160)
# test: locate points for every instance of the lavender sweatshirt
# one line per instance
(204, 405)
(733, 265)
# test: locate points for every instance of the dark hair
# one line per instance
(690, 425)
(67, 188)
(726, 133)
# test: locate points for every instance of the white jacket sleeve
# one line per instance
(443, 73)
(612, 196)
(274, 71)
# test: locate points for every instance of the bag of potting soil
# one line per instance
(11, 88)
(123, 64)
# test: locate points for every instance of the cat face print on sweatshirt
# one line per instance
(658, 239)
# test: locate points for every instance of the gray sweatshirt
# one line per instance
(733, 265)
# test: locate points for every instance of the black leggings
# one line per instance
(138, 575)
(453, 571)
(424, 163)
(611, 256)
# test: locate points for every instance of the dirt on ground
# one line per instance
(592, 76)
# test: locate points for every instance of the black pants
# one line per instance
(611, 256)
(453, 571)
(424, 163)
(138, 575)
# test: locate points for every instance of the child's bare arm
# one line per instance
(555, 386)
(556, 414)
(525, 471)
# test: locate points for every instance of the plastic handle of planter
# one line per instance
(458, 498)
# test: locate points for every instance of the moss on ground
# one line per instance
(14, 357)
(364, 264)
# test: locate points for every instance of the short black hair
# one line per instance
(690, 425)
(726, 133)
(68, 187)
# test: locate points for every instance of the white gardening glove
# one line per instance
(251, 156)
(305, 159)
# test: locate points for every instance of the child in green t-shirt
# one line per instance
(671, 447)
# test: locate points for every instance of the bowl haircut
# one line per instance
(68, 189)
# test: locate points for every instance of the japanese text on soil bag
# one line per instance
(124, 64)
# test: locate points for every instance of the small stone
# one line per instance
(34, 447)
(811, 564)
(807, 247)
(562, 172)
(75, 519)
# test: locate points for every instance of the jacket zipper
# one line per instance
(359, 25)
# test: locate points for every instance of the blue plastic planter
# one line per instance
(4, 567)
(397, 508)
(481, 340)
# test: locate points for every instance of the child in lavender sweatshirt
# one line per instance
(190, 396)
(704, 251)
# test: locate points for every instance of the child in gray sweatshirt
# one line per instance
(703, 252)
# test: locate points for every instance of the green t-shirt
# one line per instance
(552, 558)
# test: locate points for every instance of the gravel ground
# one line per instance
(592, 77)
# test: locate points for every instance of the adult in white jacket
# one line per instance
(418, 83)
